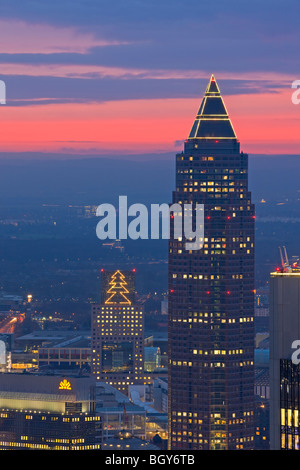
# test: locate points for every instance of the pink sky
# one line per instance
(264, 123)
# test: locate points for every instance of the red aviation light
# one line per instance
(208, 292)
(133, 270)
(171, 291)
(102, 270)
(228, 292)
(228, 217)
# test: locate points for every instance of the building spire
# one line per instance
(212, 121)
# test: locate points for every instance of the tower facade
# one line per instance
(284, 367)
(211, 291)
(117, 339)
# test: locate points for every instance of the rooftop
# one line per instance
(212, 120)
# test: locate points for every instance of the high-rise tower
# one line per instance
(211, 291)
(284, 367)
(117, 341)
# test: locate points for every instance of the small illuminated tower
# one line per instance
(211, 291)
(117, 338)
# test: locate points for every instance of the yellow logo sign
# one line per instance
(65, 385)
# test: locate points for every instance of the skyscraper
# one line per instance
(117, 339)
(211, 291)
(284, 371)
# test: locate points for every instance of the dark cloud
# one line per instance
(211, 54)
(232, 36)
(269, 16)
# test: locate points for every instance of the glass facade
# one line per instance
(123, 422)
(289, 404)
(117, 357)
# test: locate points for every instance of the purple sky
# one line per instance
(74, 59)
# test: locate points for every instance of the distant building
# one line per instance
(59, 350)
(262, 383)
(124, 441)
(10, 303)
(46, 338)
(262, 430)
(156, 420)
(48, 412)
(262, 317)
(159, 339)
(164, 307)
(152, 359)
(118, 414)
(284, 372)
(160, 394)
(117, 337)
(262, 298)
(6, 346)
(73, 353)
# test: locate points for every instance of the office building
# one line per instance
(119, 414)
(262, 420)
(284, 358)
(73, 353)
(6, 346)
(211, 291)
(117, 338)
(48, 412)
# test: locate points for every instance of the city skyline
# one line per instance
(211, 291)
(149, 171)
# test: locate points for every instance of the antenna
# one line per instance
(281, 257)
(284, 261)
(286, 257)
(287, 263)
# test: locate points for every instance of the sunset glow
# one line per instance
(146, 125)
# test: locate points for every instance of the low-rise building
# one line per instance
(48, 412)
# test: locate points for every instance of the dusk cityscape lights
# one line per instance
(149, 228)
